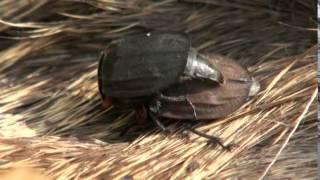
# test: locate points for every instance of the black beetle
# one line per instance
(140, 66)
(196, 100)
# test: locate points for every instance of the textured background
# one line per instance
(51, 116)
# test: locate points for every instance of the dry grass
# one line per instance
(51, 117)
(24, 173)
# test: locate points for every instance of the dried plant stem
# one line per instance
(298, 121)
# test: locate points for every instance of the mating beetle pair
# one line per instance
(160, 73)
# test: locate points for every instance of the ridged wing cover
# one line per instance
(210, 101)
(142, 65)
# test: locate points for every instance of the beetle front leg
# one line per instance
(158, 123)
(163, 127)
(153, 114)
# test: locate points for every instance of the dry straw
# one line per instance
(51, 116)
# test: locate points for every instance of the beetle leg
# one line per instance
(153, 112)
(158, 123)
(193, 108)
(212, 139)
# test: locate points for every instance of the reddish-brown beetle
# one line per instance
(208, 101)
(198, 100)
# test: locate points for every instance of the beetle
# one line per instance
(140, 66)
(160, 74)
(197, 100)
